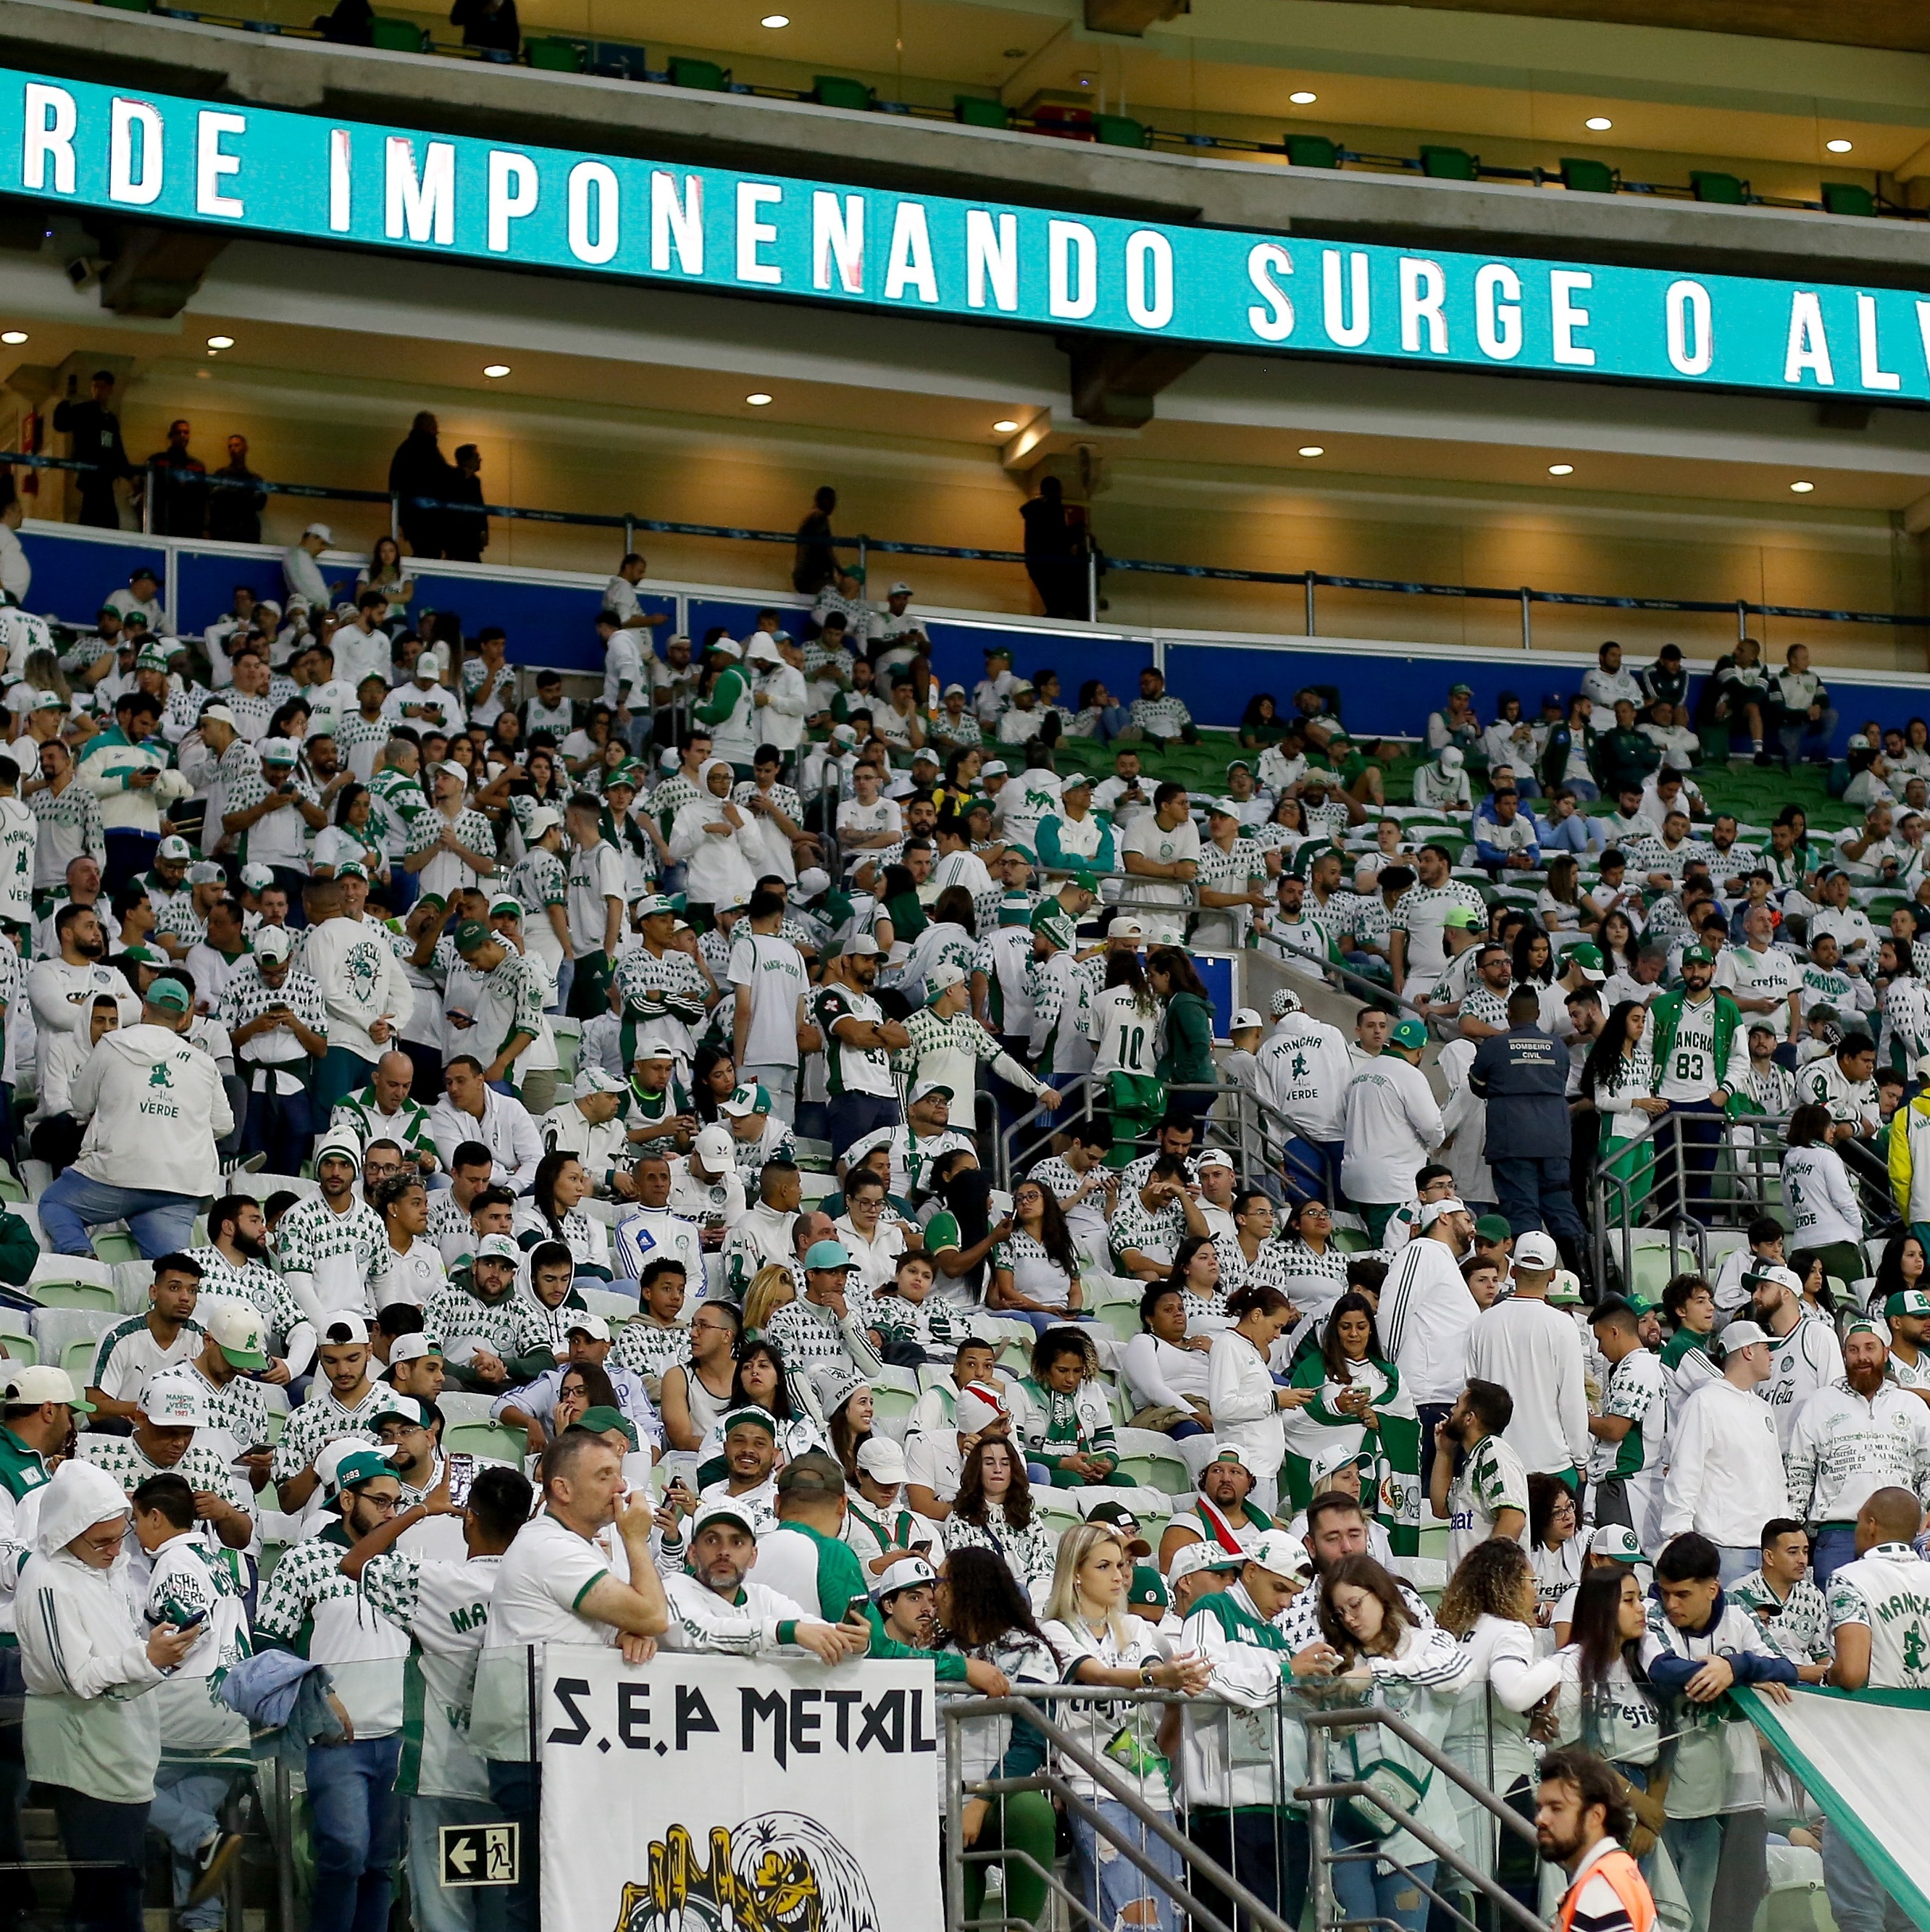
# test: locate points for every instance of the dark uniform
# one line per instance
(1522, 1075)
(96, 431)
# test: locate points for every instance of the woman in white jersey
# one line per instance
(1123, 1022)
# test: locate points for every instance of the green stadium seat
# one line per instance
(1312, 151)
(832, 90)
(397, 37)
(90, 1294)
(970, 111)
(1848, 198)
(1581, 175)
(1120, 1318)
(77, 1359)
(131, 6)
(113, 1246)
(490, 1440)
(553, 55)
(706, 75)
(889, 1405)
(1119, 130)
(1450, 164)
(1725, 189)
(1055, 1511)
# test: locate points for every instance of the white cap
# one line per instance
(174, 847)
(1126, 927)
(271, 943)
(862, 945)
(499, 1248)
(812, 881)
(414, 1347)
(34, 1383)
(220, 713)
(205, 872)
(1214, 1157)
(321, 530)
(594, 1080)
(909, 1572)
(1740, 1335)
(1785, 1277)
(899, 590)
(1452, 758)
(978, 1404)
(715, 1148)
(1432, 1211)
(1246, 1016)
(278, 751)
(342, 1328)
(403, 1408)
(257, 877)
(723, 1509)
(882, 1459)
(173, 1401)
(428, 665)
(1283, 1555)
(997, 769)
(725, 647)
(543, 819)
(1190, 1558)
(1536, 1250)
(942, 977)
(582, 1323)
(652, 1049)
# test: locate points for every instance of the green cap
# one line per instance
(1698, 956)
(360, 1466)
(1464, 918)
(1148, 1588)
(1588, 957)
(170, 994)
(602, 1417)
(1409, 1034)
(473, 935)
(1908, 1301)
(1493, 1228)
(759, 1418)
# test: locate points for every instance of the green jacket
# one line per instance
(19, 1250)
(1188, 1057)
(1665, 1014)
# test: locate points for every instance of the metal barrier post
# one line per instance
(1741, 620)
(395, 517)
(147, 504)
(1312, 630)
(864, 560)
(284, 1847)
(629, 534)
(1527, 618)
(1320, 1833)
(1091, 583)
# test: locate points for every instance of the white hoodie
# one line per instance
(154, 1107)
(1391, 1125)
(361, 982)
(89, 1725)
(1303, 1072)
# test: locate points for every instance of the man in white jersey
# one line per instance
(1701, 1056)
(1390, 1124)
(1763, 979)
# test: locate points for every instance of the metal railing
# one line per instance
(1306, 581)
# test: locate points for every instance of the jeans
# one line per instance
(1801, 736)
(185, 1812)
(565, 979)
(854, 1115)
(1699, 1127)
(114, 1835)
(1312, 1168)
(432, 1906)
(358, 1828)
(1859, 1904)
(1721, 1864)
(1534, 1194)
(1835, 1546)
(162, 1224)
(1735, 1561)
(1368, 1888)
(779, 1082)
(517, 1791)
(130, 853)
(341, 1074)
(1267, 1851)
(279, 1127)
(1111, 1884)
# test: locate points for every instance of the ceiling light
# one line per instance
(493, 370)
(1005, 426)
(1597, 124)
(774, 20)
(1312, 449)
(1303, 98)
(1838, 146)
(756, 399)
(221, 342)
(1802, 489)
(14, 338)
(1561, 470)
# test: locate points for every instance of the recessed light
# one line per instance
(201, 375)
(1303, 98)
(493, 370)
(1004, 426)
(1838, 147)
(1597, 124)
(221, 342)
(1802, 489)
(1561, 470)
(14, 338)
(756, 399)
(1312, 449)
(774, 20)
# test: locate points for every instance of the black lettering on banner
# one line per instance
(567, 1691)
(889, 1709)
(633, 1716)
(805, 1719)
(693, 1715)
(773, 1707)
(922, 1740)
(841, 1701)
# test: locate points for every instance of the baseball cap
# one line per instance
(1698, 956)
(1618, 1541)
(882, 1459)
(237, 1329)
(907, 1574)
(1226, 1451)
(174, 847)
(1908, 1301)
(1463, 918)
(750, 1414)
(35, 1383)
(1774, 1271)
(1431, 1211)
(272, 943)
(1284, 1556)
(473, 935)
(256, 877)
(997, 769)
(359, 1466)
(403, 1408)
(581, 1322)
(1245, 1018)
(205, 872)
(1589, 958)
(827, 1255)
(542, 820)
(1493, 1228)
(862, 945)
(602, 1417)
(594, 1080)
(743, 1102)
(942, 979)
(278, 751)
(170, 994)
(415, 1348)
(812, 1473)
(1740, 1335)
(1148, 1588)
(1124, 928)
(723, 1509)
(428, 664)
(714, 1147)
(926, 1089)
(498, 1248)
(653, 905)
(1537, 1250)
(173, 1401)
(649, 1050)
(321, 530)
(1214, 1157)
(725, 647)
(1076, 781)
(1409, 1034)
(344, 1329)
(1191, 1558)
(1121, 1518)
(1283, 1002)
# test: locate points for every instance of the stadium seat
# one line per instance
(460, 1406)
(397, 37)
(90, 1295)
(706, 75)
(1056, 1509)
(1121, 131)
(115, 1244)
(77, 1359)
(1312, 151)
(1725, 189)
(1848, 198)
(567, 1035)
(16, 1332)
(891, 1405)
(488, 1440)
(554, 55)
(833, 90)
(970, 110)
(1581, 175)
(69, 1267)
(1450, 164)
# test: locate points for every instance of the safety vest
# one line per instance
(1625, 1877)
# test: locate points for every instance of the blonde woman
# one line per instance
(1100, 1644)
(771, 1287)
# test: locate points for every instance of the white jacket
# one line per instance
(780, 722)
(1822, 1203)
(154, 1107)
(1464, 1116)
(1843, 1449)
(1725, 1478)
(1426, 1318)
(1391, 1125)
(722, 869)
(1534, 1352)
(1303, 1071)
(361, 982)
(1239, 1394)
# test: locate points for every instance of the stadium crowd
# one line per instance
(561, 1142)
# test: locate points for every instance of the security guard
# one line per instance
(1523, 1076)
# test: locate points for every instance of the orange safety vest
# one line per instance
(1625, 1877)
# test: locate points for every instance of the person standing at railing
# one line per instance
(179, 481)
(1701, 1057)
(418, 469)
(93, 433)
(468, 531)
(235, 498)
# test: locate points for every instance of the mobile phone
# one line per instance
(194, 1622)
(461, 1474)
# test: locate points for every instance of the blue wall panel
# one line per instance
(73, 578)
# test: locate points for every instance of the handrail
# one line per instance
(1741, 608)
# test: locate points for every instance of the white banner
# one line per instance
(713, 1794)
